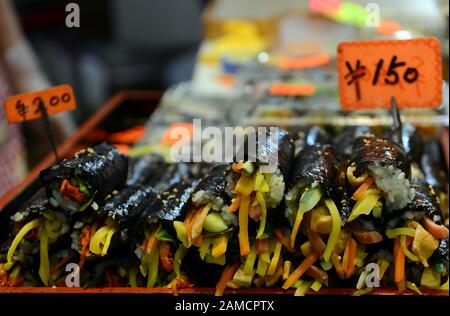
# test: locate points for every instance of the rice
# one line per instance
(276, 189)
(19, 216)
(75, 236)
(394, 183)
(229, 218)
(204, 197)
(66, 204)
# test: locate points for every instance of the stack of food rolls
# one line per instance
(351, 208)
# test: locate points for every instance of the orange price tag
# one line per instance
(372, 72)
(25, 106)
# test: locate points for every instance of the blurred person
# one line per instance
(19, 73)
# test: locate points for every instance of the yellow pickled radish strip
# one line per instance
(335, 229)
(97, 240)
(316, 286)
(262, 223)
(406, 251)
(265, 257)
(204, 247)
(407, 231)
(250, 261)
(261, 268)
(15, 273)
(219, 246)
(178, 258)
(259, 178)
(303, 287)
(443, 287)
(384, 265)
(220, 260)
(244, 243)
(111, 232)
(261, 183)
(365, 204)
(20, 235)
(132, 276)
(413, 287)
(295, 228)
(49, 229)
(143, 267)
(44, 264)
(244, 185)
(286, 269)
(196, 227)
(275, 259)
(309, 198)
(153, 268)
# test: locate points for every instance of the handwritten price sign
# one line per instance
(25, 107)
(372, 72)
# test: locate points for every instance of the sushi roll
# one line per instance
(36, 228)
(146, 170)
(435, 175)
(418, 234)
(310, 136)
(156, 244)
(94, 233)
(209, 207)
(345, 138)
(316, 206)
(85, 179)
(257, 190)
(313, 180)
(378, 176)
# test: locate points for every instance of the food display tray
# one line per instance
(135, 107)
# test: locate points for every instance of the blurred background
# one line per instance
(158, 44)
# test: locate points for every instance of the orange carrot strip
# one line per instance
(85, 239)
(198, 241)
(188, 221)
(301, 269)
(244, 243)
(283, 238)
(337, 265)
(165, 256)
(314, 238)
(235, 205)
(399, 264)
(151, 244)
(318, 274)
(226, 276)
(350, 257)
(362, 189)
(72, 192)
(254, 212)
(438, 231)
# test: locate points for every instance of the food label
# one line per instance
(25, 106)
(372, 72)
